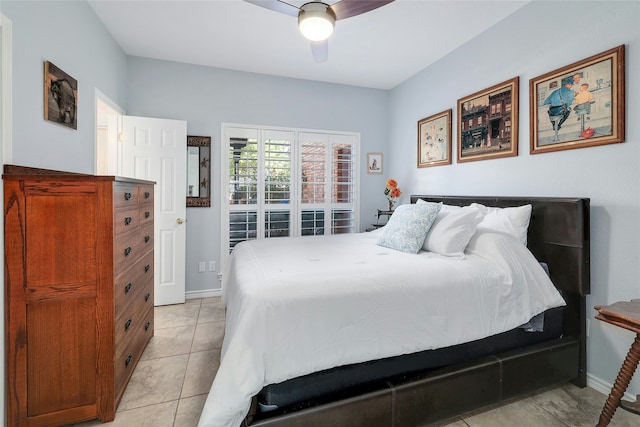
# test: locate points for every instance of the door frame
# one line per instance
(115, 143)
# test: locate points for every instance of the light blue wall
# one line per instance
(541, 37)
(206, 97)
(70, 35)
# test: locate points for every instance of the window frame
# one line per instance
(295, 207)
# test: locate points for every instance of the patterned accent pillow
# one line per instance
(408, 227)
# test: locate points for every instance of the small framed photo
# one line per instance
(488, 123)
(60, 96)
(580, 105)
(434, 140)
(374, 162)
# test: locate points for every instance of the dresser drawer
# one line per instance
(132, 320)
(133, 282)
(130, 247)
(125, 194)
(128, 355)
(126, 220)
(145, 194)
(145, 215)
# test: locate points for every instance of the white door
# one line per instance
(156, 150)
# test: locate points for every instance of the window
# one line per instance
(287, 182)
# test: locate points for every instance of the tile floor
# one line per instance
(172, 379)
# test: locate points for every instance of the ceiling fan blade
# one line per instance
(277, 6)
(320, 51)
(348, 8)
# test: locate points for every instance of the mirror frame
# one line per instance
(201, 141)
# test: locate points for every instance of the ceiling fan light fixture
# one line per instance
(316, 21)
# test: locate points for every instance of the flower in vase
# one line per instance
(393, 192)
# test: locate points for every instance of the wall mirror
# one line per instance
(198, 171)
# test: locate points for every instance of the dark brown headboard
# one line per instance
(558, 234)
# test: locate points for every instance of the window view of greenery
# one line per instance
(277, 171)
(243, 169)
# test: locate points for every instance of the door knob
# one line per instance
(180, 220)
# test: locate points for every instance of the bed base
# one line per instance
(445, 393)
(559, 236)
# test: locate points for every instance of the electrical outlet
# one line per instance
(212, 266)
(201, 267)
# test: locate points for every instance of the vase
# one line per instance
(391, 205)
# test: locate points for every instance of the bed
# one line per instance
(348, 338)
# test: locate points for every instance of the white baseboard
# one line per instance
(203, 294)
(605, 387)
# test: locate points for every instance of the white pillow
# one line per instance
(408, 226)
(452, 229)
(513, 221)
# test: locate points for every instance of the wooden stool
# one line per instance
(625, 315)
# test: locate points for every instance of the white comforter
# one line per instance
(300, 305)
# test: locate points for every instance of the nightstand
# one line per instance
(625, 314)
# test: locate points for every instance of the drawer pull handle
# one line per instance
(147, 238)
(146, 268)
(147, 296)
(127, 251)
(127, 196)
(127, 325)
(147, 325)
(127, 220)
(147, 194)
(128, 361)
(127, 288)
(147, 214)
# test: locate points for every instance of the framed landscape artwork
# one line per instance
(488, 123)
(434, 140)
(60, 96)
(580, 105)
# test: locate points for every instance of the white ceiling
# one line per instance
(378, 49)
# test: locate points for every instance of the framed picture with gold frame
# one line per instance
(488, 123)
(434, 140)
(579, 105)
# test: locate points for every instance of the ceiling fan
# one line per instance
(317, 19)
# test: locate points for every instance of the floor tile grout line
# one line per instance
(533, 402)
(184, 378)
(145, 406)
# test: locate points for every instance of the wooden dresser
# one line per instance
(78, 292)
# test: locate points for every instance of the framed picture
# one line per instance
(434, 140)
(488, 123)
(374, 162)
(580, 105)
(60, 96)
